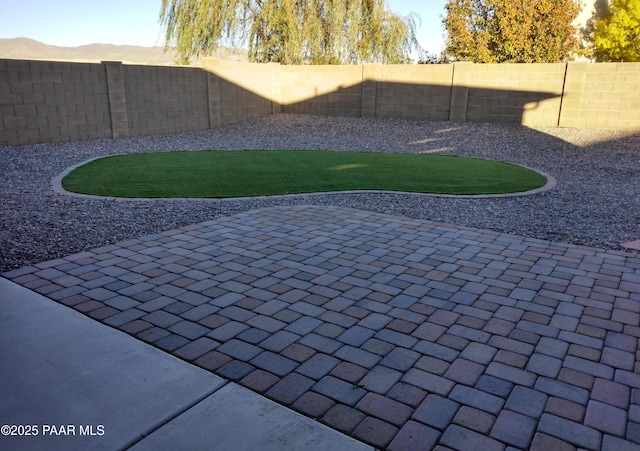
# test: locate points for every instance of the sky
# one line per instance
(71, 23)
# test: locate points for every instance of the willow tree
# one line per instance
(290, 31)
(517, 31)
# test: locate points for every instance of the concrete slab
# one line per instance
(68, 382)
(235, 418)
(74, 383)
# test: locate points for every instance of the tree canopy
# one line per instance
(514, 31)
(290, 31)
(614, 31)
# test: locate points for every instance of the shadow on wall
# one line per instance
(47, 101)
(576, 94)
(458, 92)
(433, 103)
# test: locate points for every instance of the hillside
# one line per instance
(25, 48)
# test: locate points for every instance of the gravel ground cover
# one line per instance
(596, 202)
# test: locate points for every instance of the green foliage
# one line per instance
(263, 173)
(600, 9)
(614, 31)
(290, 31)
(513, 31)
(427, 57)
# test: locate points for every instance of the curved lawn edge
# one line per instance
(56, 186)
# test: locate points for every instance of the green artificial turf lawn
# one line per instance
(261, 173)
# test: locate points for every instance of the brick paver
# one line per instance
(405, 334)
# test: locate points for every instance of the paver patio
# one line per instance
(403, 333)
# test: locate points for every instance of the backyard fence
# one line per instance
(49, 101)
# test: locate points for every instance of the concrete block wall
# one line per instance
(46, 101)
(605, 95)
(165, 99)
(244, 90)
(117, 99)
(321, 90)
(528, 94)
(399, 91)
(238, 104)
(50, 101)
(574, 95)
(420, 92)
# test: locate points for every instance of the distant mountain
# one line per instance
(25, 48)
